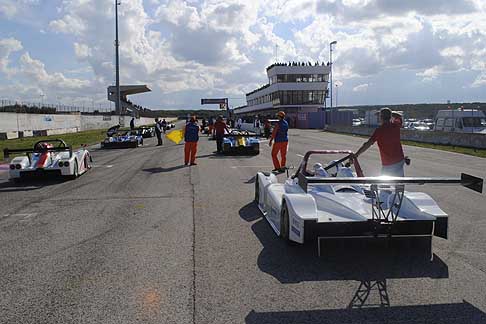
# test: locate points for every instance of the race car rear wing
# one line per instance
(465, 180)
(7, 152)
(240, 135)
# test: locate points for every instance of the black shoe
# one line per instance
(275, 170)
(282, 170)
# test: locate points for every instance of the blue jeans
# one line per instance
(393, 170)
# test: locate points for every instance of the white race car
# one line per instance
(338, 202)
(48, 158)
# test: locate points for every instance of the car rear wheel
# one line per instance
(284, 222)
(76, 171)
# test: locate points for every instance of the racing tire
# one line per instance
(284, 223)
(76, 171)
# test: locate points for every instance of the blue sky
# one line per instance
(387, 52)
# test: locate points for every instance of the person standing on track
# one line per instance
(191, 137)
(158, 132)
(219, 128)
(267, 128)
(164, 125)
(280, 136)
(210, 125)
(388, 138)
(132, 123)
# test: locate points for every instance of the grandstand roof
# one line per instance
(130, 89)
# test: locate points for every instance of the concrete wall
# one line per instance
(37, 124)
(446, 138)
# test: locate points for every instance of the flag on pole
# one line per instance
(176, 136)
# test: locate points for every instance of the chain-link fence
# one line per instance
(40, 107)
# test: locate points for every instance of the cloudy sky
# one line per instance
(388, 51)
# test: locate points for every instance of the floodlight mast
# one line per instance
(117, 65)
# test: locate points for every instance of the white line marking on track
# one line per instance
(299, 155)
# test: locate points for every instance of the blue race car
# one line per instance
(116, 138)
(241, 142)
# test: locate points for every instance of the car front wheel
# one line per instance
(284, 222)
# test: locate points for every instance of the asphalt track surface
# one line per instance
(142, 239)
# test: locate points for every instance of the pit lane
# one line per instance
(148, 240)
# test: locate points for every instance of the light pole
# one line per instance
(42, 100)
(117, 63)
(330, 65)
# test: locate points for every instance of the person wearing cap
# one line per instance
(191, 137)
(388, 138)
(219, 128)
(281, 139)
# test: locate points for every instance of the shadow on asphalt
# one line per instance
(161, 170)
(435, 314)
(361, 260)
(30, 184)
(224, 156)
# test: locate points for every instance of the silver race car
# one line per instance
(48, 158)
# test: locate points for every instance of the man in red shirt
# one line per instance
(219, 128)
(388, 138)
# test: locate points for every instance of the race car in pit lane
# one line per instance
(335, 201)
(116, 138)
(240, 142)
(48, 158)
(146, 132)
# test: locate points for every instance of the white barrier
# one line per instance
(30, 124)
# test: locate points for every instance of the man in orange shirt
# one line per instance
(281, 139)
(388, 138)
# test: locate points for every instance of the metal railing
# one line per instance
(18, 106)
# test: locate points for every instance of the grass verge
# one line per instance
(74, 139)
(456, 149)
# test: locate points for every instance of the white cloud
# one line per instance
(480, 81)
(7, 47)
(361, 88)
(183, 49)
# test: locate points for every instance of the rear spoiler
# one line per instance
(240, 135)
(465, 180)
(7, 152)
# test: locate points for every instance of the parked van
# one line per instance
(461, 121)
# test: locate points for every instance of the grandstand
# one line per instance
(126, 104)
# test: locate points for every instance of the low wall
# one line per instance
(432, 137)
(13, 125)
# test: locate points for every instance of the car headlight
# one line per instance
(18, 166)
(61, 163)
(12, 166)
(66, 163)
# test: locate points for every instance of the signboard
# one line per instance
(223, 106)
(214, 101)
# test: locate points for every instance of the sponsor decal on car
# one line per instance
(295, 230)
(273, 213)
(295, 222)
